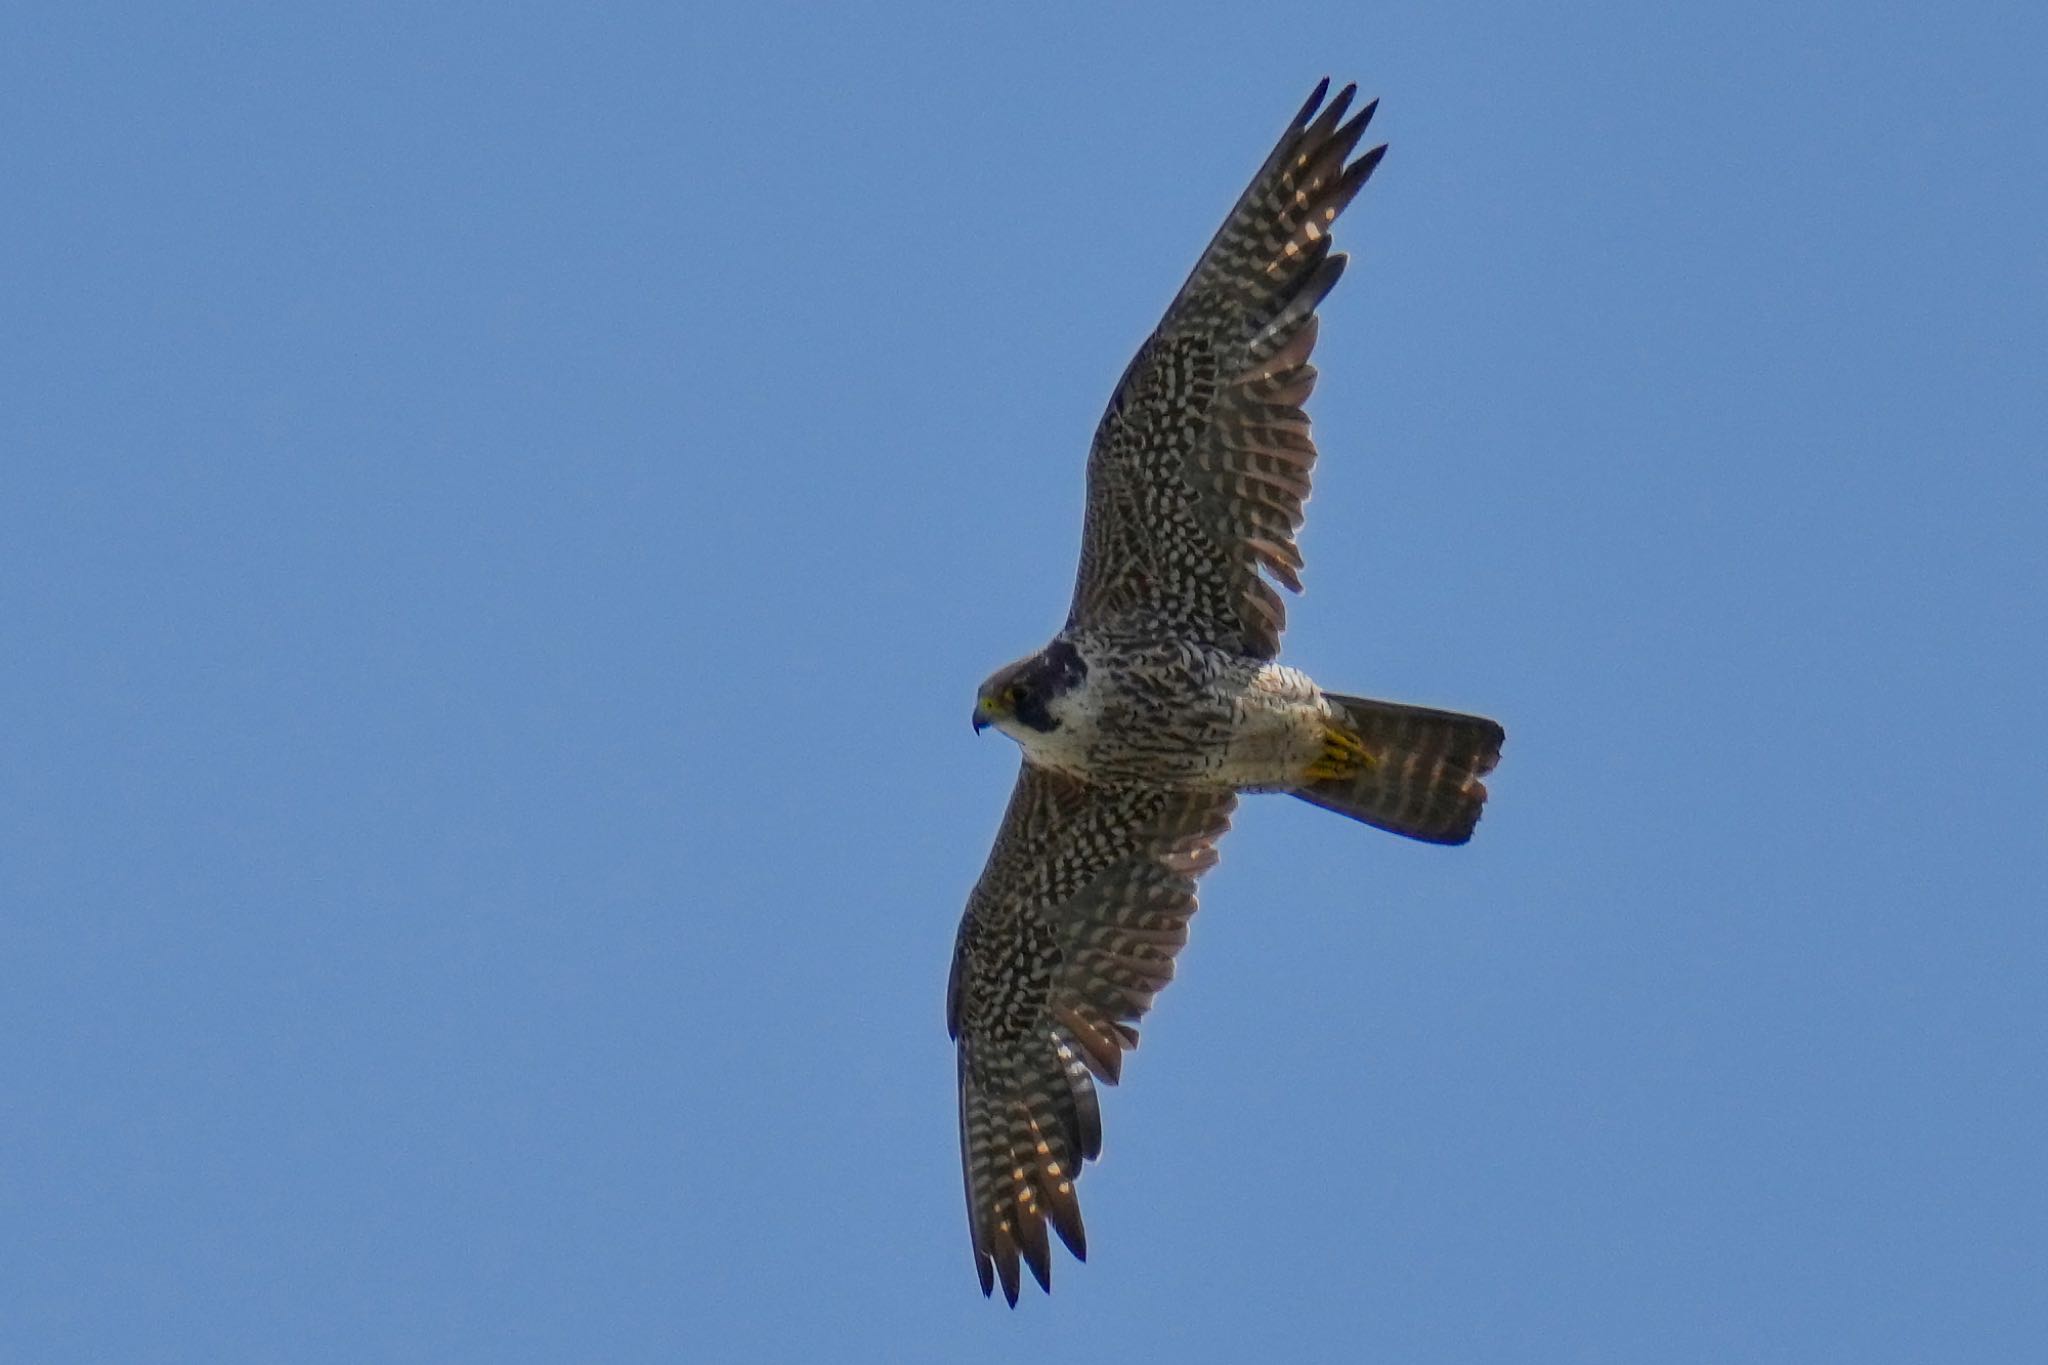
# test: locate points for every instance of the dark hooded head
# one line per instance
(1023, 692)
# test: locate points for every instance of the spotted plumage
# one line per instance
(1160, 701)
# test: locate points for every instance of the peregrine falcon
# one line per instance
(1160, 700)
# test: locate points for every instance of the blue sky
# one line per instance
(503, 513)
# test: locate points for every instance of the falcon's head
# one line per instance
(1021, 696)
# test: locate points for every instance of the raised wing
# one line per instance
(1067, 937)
(1201, 464)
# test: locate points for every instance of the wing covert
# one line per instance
(1067, 937)
(1200, 466)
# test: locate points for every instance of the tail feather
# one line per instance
(1407, 769)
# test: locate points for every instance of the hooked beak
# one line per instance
(984, 713)
(980, 722)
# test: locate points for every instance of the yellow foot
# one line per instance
(1344, 755)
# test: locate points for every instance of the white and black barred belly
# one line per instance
(1174, 713)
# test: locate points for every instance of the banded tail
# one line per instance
(1407, 769)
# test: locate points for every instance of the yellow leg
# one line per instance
(1344, 755)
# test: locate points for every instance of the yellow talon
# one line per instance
(1344, 755)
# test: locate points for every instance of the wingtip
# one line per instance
(1355, 176)
(1355, 128)
(1328, 117)
(1314, 101)
(1065, 1216)
(1077, 1242)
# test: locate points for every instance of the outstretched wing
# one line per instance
(1067, 937)
(1201, 464)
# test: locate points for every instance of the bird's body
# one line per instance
(1162, 699)
(1174, 713)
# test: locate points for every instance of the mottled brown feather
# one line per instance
(1068, 936)
(1200, 466)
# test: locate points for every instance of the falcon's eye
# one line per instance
(1012, 695)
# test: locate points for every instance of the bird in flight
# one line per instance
(1161, 699)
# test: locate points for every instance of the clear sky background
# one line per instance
(502, 513)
